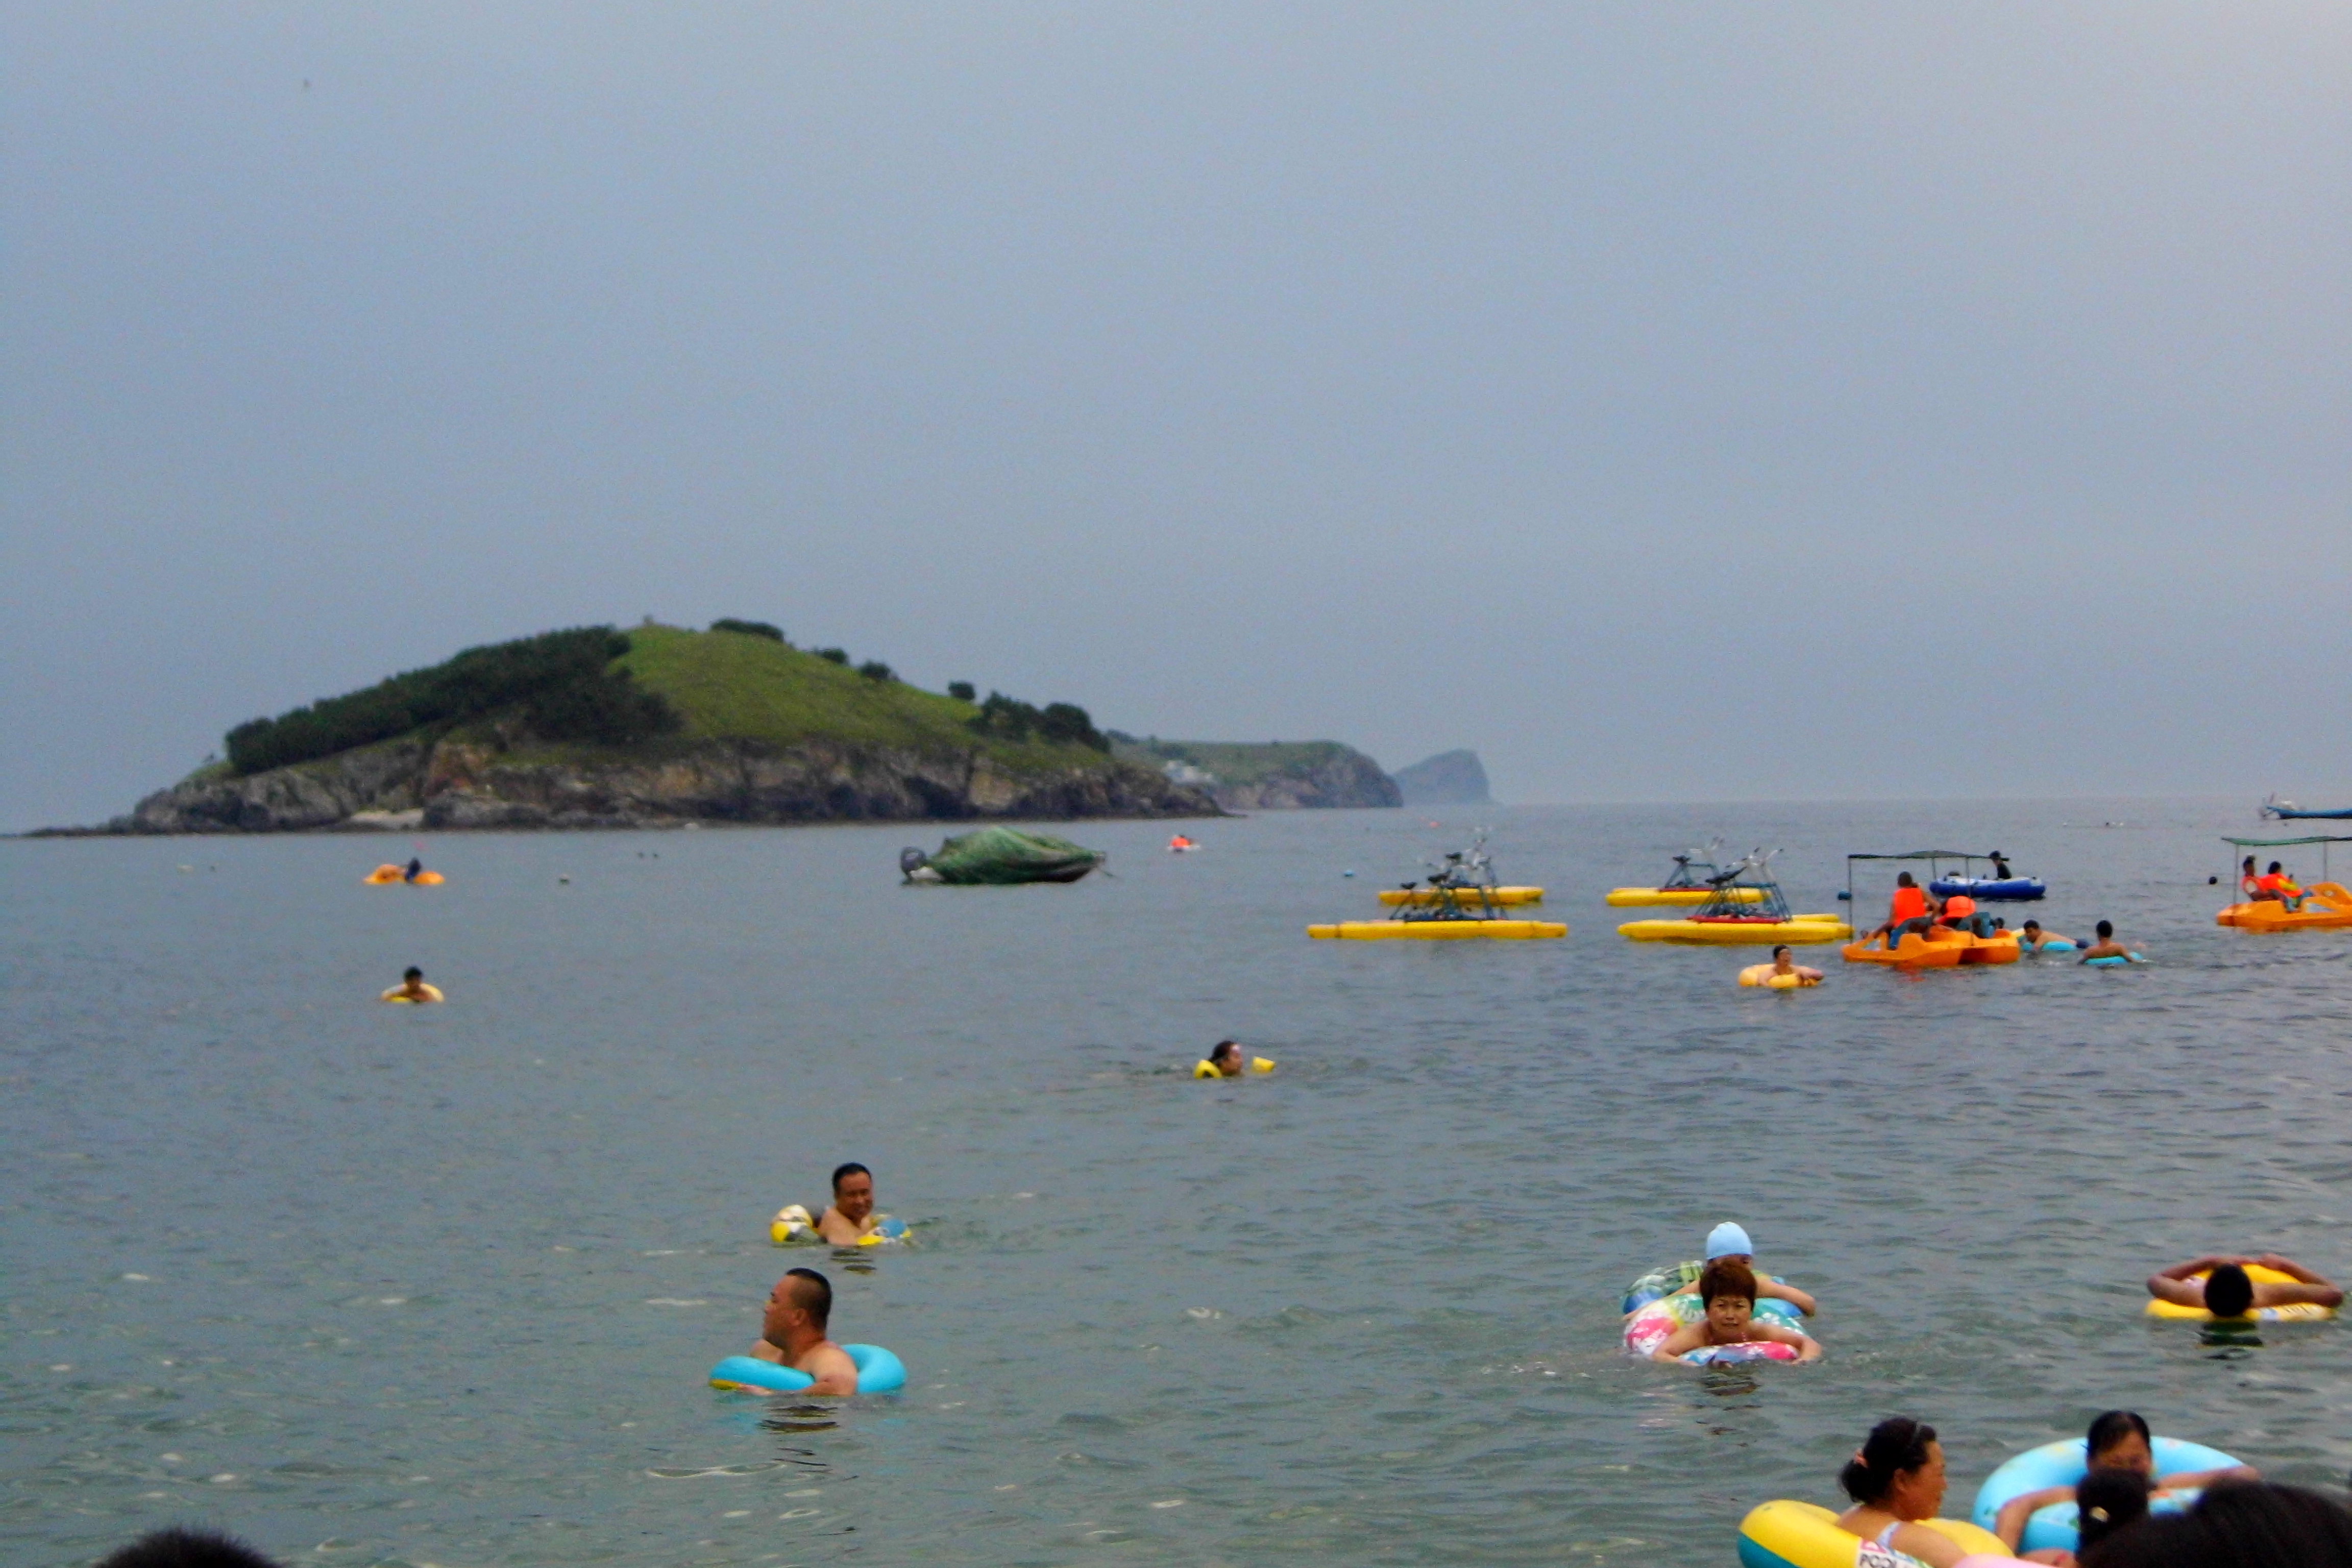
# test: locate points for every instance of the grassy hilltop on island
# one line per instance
(597, 727)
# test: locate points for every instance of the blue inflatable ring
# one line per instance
(2064, 1465)
(878, 1372)
(2112, 962)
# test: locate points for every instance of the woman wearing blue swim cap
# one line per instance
(1730, 1240)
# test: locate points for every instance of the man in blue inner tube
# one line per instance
(2107, 946)
(792, 1333)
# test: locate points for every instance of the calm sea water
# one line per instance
(439, 1286)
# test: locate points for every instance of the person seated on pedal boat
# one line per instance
(2275, 883)
(2250, 883)
(1905, 912)
(1728, 1243)
(2118, 1441)
(1728, 1290)
(2226, 1292)
(1959, 912)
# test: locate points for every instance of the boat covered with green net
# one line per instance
(1001, 856)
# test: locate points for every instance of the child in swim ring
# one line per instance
(1728, 1290)
(1784, 961)
(2118, 1441)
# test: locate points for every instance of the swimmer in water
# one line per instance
(412, 988)
(792, 1333)
(1227, 1059)
(1728, 1292)
(2106, 946)
(1784, 961)
(2034, 939)
(416, 869)
(2226, 1292)
(1728, 1243)
(851, 1214)
(1896, 1481)
(2118, 1440)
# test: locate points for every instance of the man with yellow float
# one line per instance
(848, 1221)
(1225, 1061)
(2227, 1288)
(412, 988)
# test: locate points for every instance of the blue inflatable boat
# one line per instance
(2004, 890)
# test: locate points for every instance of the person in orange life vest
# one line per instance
(1961, 912)
(1907, 911)
(2276, 884)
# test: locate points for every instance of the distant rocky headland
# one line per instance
(660, 726)
(1278, 776)
(1449, 778)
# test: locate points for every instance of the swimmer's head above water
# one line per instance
(853, 1192)
(2229, 1293)
(1727, 1288)
(1730, 1240)
(1227, 1059)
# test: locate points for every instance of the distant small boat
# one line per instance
(2014, 890)
(2288, 811)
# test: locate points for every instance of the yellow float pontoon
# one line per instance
(1439, 931)
(1635, 897)
(1744, 907)
(1394, 897)
(1797, 931)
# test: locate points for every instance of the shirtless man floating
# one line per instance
(852, 1212)
(792, 1333)
(2226, 1292)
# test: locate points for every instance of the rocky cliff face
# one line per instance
(1350, 780)
(453, 785)
(1449, 778)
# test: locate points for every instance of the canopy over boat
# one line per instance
(2322, 839)
(1992, 888)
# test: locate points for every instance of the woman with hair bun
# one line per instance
(1897, 1479)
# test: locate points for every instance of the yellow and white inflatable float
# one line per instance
(1204, 1068)
(2293, 1313)
(1786, 1535)
(1468, 897)
(1438, 930)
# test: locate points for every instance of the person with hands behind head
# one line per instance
(2227, 1292)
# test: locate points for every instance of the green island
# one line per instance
(660, 725)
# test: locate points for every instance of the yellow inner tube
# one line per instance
(1470, 897)
(1635, 897)
(1438, 930)
(432, 994)
(2293, 1313)
(1762, 974)
(1797, 931)
(1786, 1535)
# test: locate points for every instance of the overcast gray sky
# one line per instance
(1671, 402)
